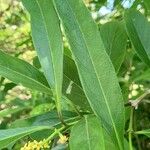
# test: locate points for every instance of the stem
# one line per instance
(130, 130)
(57, 131)
(136, 136)
(54, 134)
(59, 112)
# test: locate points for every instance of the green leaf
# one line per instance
(50, 119)
(138, 29)
(115, 39)
(144, 132)
(70, 70)
(95, 69)
(47, 40)
(12, 135)
(75, 94)
(22, 72)
(98, 136)
(71, 85)
(89, 129)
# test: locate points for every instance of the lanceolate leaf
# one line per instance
(115, 39)
(22, 72)
(11, 135)
(144, 132)
(138, 29)
(95, 69)
(50, 119)
(87, 134)
(47, 40)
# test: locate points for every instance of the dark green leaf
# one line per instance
(47, 40)
(50, 119)
(71, 85)
(95, 69)
(115, 39)
(22, 72)
(138, 29)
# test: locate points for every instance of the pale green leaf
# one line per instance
(95, 69)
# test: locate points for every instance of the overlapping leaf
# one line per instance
(95, 69)
(21, 72)
(115, 39)
(138, 29)
(87, 134)
(47, 40)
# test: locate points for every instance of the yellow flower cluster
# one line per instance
(35, 145)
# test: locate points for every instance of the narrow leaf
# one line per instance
(115, 39)
(50, 119)
(22, 72)
(138, 29)
(95, 69)
(47, 40)
(11, 135)
(87, 134)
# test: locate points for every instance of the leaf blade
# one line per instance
(91, 135)
(138, 29)
(115, 39)
(22, 72)
(81, 30)
(12, 135)
(47, 40)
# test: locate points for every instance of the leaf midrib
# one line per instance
(87, 133)
(50, 48)
(49, 127)
(97, 78)
(24, 76)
